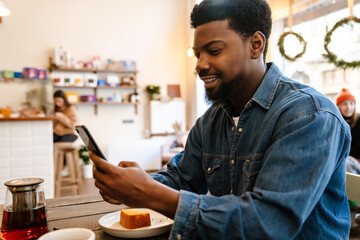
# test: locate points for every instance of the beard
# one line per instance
(223, 93)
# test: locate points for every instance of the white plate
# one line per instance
(110, 223)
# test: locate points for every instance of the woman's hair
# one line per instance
(353, 119)
(246, 17)
(61, 94)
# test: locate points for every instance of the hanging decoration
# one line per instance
(331, 57)
(290, 32)
(282, 49)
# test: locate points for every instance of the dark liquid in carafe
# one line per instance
(24, 225)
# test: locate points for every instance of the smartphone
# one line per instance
(89, 140)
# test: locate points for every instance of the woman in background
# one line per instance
(66, 118)
(346, 103)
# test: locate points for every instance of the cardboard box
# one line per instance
(72, 97)
(30, 73)
(91, 80)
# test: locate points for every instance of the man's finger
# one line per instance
(101, 186)
(101, 192)
(100, 163)
(100, 175)
(128, 164)
(106, 197)
(110, 200)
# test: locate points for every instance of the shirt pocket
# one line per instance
(251, 169)
(214, 174)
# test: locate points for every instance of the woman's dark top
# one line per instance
(355, 142)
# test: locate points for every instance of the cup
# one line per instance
(69, 234)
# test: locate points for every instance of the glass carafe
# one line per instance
(24, 210)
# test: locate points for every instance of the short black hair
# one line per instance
(245, 16)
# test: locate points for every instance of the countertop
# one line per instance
(27, 118)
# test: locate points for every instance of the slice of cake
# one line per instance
(131, 219)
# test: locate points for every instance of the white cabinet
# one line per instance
(26, 150)
(163, 114)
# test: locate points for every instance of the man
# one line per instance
(267, 159)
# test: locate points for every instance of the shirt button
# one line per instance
(232, 161)
(178, 237)
(209, 169)
(240, 129)
(232, 129)
(248, 160)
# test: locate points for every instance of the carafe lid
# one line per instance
(23, 184)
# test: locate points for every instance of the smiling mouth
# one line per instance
(210, 80)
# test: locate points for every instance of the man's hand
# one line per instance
(108, 199)
(129, 184)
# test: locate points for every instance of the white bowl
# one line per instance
(69, 234)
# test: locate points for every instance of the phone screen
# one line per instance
(89, 141)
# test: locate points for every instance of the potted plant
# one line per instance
(86, 166)
(154, 91)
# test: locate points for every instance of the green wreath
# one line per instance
(332, 58)
(282, 49)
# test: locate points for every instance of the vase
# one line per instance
(154, 96)
(87, 171)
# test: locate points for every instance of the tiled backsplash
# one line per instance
(26, 150)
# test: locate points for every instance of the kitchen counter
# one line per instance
(27, 118)
(26, 150)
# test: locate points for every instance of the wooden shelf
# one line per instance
(121, 86)
(29, 80)
(105, 103)
(116, 103)
(83, 87)
(93, 70)
(100, 87)
(96, 104)
(96, 88)
(85, 103)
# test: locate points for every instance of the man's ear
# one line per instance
(258, 41)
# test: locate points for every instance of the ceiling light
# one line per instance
(4, 11)
(190, 52)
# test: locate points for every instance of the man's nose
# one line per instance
(202, 64)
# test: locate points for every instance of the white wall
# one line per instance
(153, 33)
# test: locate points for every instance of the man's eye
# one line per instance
(214, 52)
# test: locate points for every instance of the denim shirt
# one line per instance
(278, 174)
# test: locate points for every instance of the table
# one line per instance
(82, 211)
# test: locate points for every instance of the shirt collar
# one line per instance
(265, 93)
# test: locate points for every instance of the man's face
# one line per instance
(223, 59)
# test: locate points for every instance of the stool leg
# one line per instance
(78, 171)
(60, 164)
(55, 165)
(55, 170)
(71, 166)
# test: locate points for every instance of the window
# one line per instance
(323, 76)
